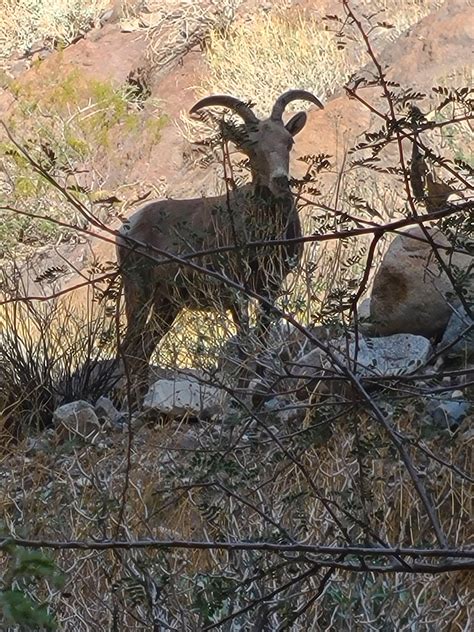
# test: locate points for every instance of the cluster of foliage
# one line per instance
(21, 588)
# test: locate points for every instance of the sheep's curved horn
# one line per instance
(292, 95)
(227, 101)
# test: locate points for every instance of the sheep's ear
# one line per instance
(296, 123)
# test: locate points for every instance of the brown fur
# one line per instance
(260, 211)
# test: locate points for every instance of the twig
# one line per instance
(271, 547)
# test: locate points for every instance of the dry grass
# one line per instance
(174, 28)
(73, 492)
(67, 490)
(402, 14)
(260, 59)
(26, 22)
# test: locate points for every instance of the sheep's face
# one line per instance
(268, 144)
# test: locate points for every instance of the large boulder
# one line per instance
(410, 291)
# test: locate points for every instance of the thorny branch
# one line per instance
(149, 251)
(359, 551)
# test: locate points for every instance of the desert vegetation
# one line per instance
(318, 478)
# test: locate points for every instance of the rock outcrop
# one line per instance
(411, 293)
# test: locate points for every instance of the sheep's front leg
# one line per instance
(264, 321)
(240, 316)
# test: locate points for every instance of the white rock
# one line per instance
(76, 419)
(105, 409)
(391, 355)
(184, 395)
(458, 339)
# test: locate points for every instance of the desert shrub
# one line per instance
(22, 593)
(89, 120)
(53, 353)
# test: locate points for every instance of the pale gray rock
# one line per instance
(76, 419)
(367, 357)
(399, 354)
(460, 331)
(410, 292)
(448, 411)
(309, 365)
(184, 395)
(105, 410)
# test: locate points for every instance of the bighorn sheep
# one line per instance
(261, 210)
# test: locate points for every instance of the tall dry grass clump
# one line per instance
(51, 353)
(24, 22)
(260, 59)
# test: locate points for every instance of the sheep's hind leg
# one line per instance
(161, 320)
(133, 348)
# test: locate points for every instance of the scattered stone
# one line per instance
(38, 444)
(400, 354)
(76, 419)
(309, 375)
(184, 396)
(281, 411)
(396, 355)
(310, 365)
(460, 331)
(106, 411)
(285, 345)
(111, 14)
(448, 410)
(410, 290)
